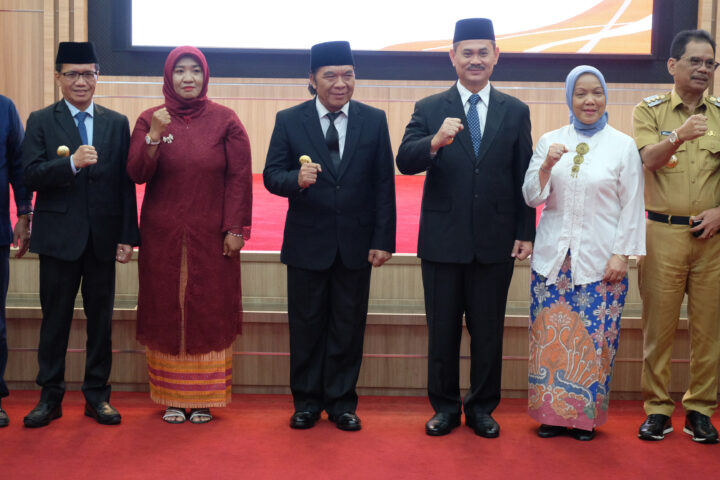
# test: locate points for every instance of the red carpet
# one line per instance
(251, 439)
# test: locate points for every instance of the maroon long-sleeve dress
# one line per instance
(198, 188)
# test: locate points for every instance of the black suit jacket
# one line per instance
(472, 207)
(99, 201)
(351, 210)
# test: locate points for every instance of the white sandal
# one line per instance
(174, 415)
(200, 415)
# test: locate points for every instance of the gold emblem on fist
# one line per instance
(63, 151)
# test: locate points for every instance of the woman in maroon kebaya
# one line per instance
(194, 157)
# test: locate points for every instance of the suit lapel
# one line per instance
(100, 127)
(493, 122)
(454, 109)
(352, 136)
(314, 133)
(67, 123)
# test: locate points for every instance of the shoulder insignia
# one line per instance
(654, 100)
(713, 100)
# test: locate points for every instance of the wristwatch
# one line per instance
(673, 138)
(150, 141)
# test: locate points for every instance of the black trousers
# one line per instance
(327, 311)
(59, 283)
(479, 291)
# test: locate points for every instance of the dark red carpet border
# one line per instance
(251, 439)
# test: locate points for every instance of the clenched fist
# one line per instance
(159, 124)
(446, 133)
(308, 174)
(695, 126)
(84, 156)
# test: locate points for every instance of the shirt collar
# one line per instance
(676, 101)
(322, 111)
(74, 110)
(465, 93)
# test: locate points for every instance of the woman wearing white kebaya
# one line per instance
(589, 176)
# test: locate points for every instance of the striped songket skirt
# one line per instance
(190, 381)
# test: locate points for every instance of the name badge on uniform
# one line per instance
(665, 132)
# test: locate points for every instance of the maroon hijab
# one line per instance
(175, 104)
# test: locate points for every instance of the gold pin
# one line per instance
(582, 148)
(575, 170)
(578, 159)
(63, 151)
(305, 159)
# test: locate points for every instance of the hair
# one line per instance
(677, 49)
(58, 67)
(455, 45)
(311, 89)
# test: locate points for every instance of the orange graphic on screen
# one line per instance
(610, 27)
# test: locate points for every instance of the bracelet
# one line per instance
(546, 170)
(234, 234)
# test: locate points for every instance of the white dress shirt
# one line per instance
(599, 213)
(340, 122)
(88, 126)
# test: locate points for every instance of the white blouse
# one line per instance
(599, 213)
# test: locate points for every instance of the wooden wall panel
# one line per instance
(21, 55)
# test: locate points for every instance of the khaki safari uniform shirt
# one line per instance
(691, 185)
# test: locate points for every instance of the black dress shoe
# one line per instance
(103, 412)
(42, 414)
(483, 424)
(700, 427)
(583, 435)
(442, 423)
(4, 419)
(303, 419)
(549, 431)
(655, 427)
(348, 421)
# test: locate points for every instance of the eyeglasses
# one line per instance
(89, 76)
(696, 62)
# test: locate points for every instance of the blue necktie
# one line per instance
(81, 126)
(474, 122)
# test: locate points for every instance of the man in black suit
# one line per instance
(474, 144)
(340, 222)
(85, 219)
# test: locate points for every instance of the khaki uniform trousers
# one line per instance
(678, 263)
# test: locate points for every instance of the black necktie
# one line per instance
(332, 140)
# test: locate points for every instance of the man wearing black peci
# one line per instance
(331, 157)
(474, 144)
(74, 156)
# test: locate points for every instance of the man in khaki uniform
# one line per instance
(678, 135)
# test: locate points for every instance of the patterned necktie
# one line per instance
(332, 140)
(81, 126)
(474, 122)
